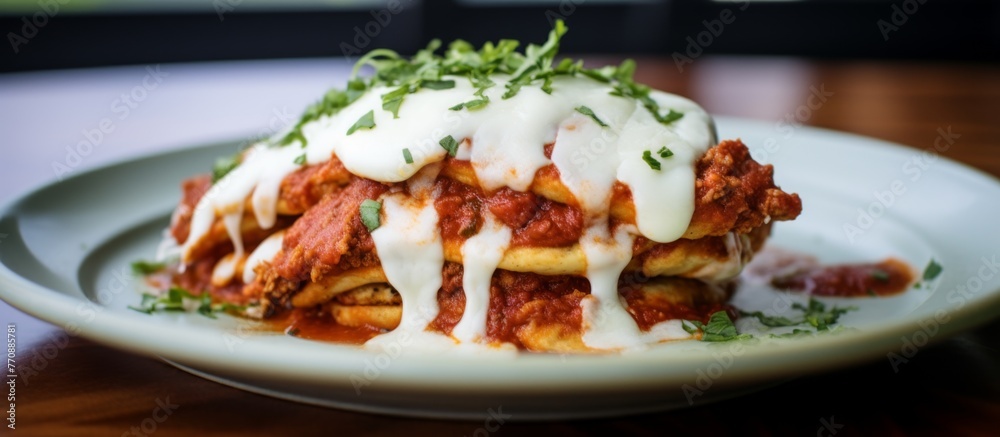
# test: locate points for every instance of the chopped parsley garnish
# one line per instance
(671, 116)
(143, 267)
(301, 159)
(880, 275)
(224, 165)
(407, 156)
(449, 145)
(428, 69)
(366, 121)
(590, 113)
(392, 100)
(331, 103)
(537, 64)
(438, 84)
(795, 333)
(173, 301)
(719, 328)
(814, 314)
(653, 163)
(932, 270)
(370, 214)
(931, 273)
(471, 104)
(772, 321)
(818, 317)
(664, 152)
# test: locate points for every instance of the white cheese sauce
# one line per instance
(265, 251)
(507, 148)
(481, 254)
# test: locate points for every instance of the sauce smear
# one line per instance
(884, 278)
(313, 324)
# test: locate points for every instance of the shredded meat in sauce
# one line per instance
(732, 194)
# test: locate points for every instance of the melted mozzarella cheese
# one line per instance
(265, 251)
(481, 254)
(225, 270)
(504, 143)
(409, 245)
(606, 322)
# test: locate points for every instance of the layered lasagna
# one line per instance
(487, 198)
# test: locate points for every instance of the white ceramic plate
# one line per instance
(68, 247)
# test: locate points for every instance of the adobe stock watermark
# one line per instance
(374, 367)
(42, 356)
(900, 14)
(148, 426)
(86, 312)
(959, 295)
(792, 121)
(277, 122)
(363, 34)
(713, 29)
(123, 107)
(48, 9)
(884, 199)
(706, 377)
(723, 360)
(828, 427)
(223, 7)
(494, 420)
(244, 329)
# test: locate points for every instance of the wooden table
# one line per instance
(78, 387)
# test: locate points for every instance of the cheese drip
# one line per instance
(409, 245)
(481, 254)
(504, 143)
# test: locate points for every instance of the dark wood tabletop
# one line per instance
(72, 386)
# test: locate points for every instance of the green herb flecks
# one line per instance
(392, 100)
(143, 267)
(814, 314)
(537, 63)
(435, 69)
(653, 163)
(438, 84)
(407, 156)
(590, 113)
(450, 145)
(175, 299)
(664, 152)
(366, 121)
(719, 328)
(224, 165)
(795, 333)
(331, 103)
(301, 159)
(880, 275)
(932, 270)
(471, 105)
(370, 214)
(931, 273)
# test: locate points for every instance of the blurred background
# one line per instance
(84, 33)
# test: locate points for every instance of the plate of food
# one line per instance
(473, 233)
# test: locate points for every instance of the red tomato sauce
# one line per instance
(884, 278)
